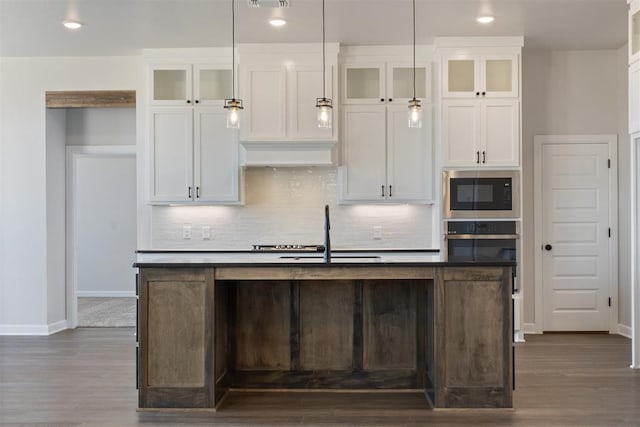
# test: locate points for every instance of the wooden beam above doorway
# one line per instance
(91, 99)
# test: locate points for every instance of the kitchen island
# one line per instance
(210, 322)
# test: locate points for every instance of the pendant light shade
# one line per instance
(415, 109)
(324, 105)
(233, 106)
(415, 113)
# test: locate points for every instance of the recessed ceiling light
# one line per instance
(486, 19)
(277, 22)
(72, 25)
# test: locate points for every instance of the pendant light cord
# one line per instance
(233, 49)
(414, 49)
(324, 70)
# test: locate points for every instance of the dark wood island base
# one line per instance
(443, 330)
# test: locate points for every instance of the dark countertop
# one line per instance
(341, 258)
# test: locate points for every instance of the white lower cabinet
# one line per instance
(481, 133)
(383, 159)
(194, 157)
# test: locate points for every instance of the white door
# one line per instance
(500, 141)
(363, 176)
(171, 160)
(461, 132)
(215, 157)
(575, 236)
(408, 156)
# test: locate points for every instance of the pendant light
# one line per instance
(324, 105)
(233, 106)
(415, 109)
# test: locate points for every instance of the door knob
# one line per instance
(548, 247)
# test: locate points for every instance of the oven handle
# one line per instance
(480, 236)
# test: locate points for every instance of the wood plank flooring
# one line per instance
(86, 377)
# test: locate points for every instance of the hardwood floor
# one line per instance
(86, 377)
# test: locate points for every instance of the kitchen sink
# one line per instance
(337, 258)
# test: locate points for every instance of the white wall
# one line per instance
(569, 92)
(105, 224)
(285, 206)
(101, 126)
(23, 195)
(55, 193)
(624, 189)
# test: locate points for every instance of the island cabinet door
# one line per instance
(176, 329)
(473, 337)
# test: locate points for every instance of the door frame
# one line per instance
(73, 153)
(612, 142)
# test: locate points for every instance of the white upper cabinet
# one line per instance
(279, 86)
(480, 76)
(264, 96)
(193, 157)
(478, 134)
(171, 155)
(385, 161)
(481, 101)
(189, 84)
(384, 82)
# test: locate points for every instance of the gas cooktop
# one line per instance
(288, 248)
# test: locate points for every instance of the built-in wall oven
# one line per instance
(481, 194)
(481, 240)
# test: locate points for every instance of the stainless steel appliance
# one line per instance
(288, 248)
(481, 194)
(481, 240)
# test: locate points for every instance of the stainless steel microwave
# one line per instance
(481, 194)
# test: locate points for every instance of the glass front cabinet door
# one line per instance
(487, 76)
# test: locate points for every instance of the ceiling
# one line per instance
(123, 27)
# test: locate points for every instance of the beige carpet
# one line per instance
(106, 312)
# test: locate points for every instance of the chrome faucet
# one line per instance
(327, 239)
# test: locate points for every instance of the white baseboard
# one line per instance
(106, 294)
(624, 330)
(530, 328)
(49, 329)
(52, 328)
(518, 336)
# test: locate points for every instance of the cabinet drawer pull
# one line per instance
(391, 191)
(477, 157)
(189, 192)
(484, 157)
(382, 188)
(197, 192)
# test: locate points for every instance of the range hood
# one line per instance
(287, 153)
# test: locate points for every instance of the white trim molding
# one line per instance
(39, 330)
(530, 328)
(73, 153)
(612, 143)
(624, 330)
(106, 294)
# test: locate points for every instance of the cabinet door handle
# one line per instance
(189, 192)
(381, 99)
(484, 93)
(477, 93)
(188, 101)
(197, 101)
(391, 191)
(477, 157)
(390, 99)
(484, 157)
(382, 188)
(197, 192)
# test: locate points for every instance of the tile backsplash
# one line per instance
(285, 206)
